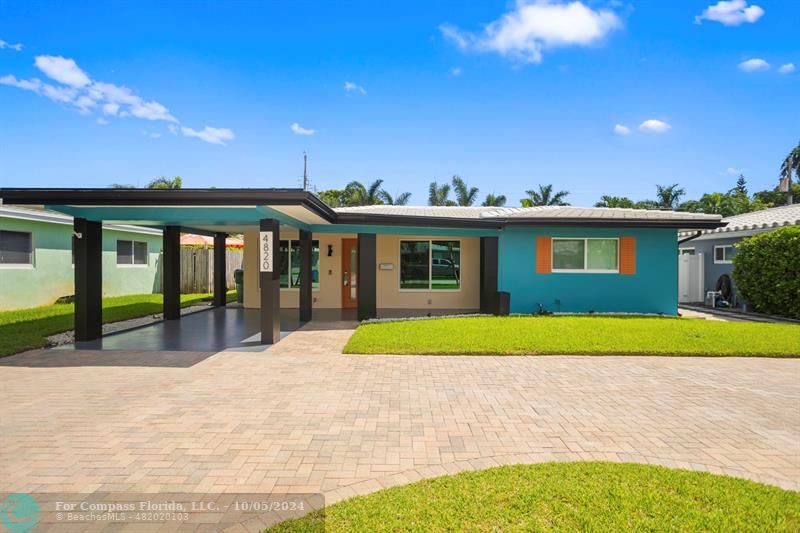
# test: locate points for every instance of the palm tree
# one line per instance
(669, 195)
(465, 196)
(544, 196)
(163, 182)
(615, 201)
(356, 193)
(439, 194)
(494, 201)
(790, 165)
(400, 199)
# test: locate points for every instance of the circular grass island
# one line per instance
(586, 496)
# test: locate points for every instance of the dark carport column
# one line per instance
(270, 280)
(220, 275)
(171, 248)
(88, 246)
(488, 282)
(367, 253)
(305, 276)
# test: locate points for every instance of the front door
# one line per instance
(349, 273)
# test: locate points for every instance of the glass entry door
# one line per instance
(349, 273)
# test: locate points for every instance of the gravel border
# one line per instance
(68, 337)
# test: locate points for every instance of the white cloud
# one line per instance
(111, 109)
(101, 121)
(455, 72)
(151, 111)
(654, 126)
(619, 129)
(788, 68)
(16, 47)
(300, 130)
(730, 13)
(210, 135)
(754, 65)
(532, 27)
(88, 96)
(350, 87)
(62, 70)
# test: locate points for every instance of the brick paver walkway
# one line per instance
(301, 417)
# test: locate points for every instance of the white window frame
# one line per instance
(585, 256)
(681, 251)
(430, 265)
(32, 263)
(289, 257)
(723, 261)
(132, 264)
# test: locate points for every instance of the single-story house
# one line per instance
(715, 248)
(301, 253)
(36, 258)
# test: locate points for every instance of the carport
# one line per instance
(213, 212)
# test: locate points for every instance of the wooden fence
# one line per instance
(197, 269)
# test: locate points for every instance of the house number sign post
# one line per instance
(267, 252)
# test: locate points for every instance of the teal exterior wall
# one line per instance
(653, 289)
(52, 275)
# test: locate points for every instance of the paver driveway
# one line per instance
(302, 417)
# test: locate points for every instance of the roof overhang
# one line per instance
(233, 209)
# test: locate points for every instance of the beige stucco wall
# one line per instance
(328, 295)
(389, 295)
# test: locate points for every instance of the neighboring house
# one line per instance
(716, 248)
(36, 263)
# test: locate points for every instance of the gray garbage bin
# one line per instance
(238, 278)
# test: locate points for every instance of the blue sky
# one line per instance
(508, 95)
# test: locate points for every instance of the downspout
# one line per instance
(687, 239)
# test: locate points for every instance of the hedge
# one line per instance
(766, 271)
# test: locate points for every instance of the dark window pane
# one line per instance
(314, 264)
(446, 268)
(124, 252)
(283, 253)
(568, 254)
(414, 264)
(139, 253)
(16, 248)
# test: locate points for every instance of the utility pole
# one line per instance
(305, 171)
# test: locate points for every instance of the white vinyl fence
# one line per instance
(691, 278)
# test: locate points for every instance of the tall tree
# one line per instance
(615, 201)
(163, 182)
(741, 186)
(790, 165)
(333, 197)
(493, 200)
(465, 196)
(668, 196)
(400, 199)
(356, 193)
(544, 196)
(439, 194)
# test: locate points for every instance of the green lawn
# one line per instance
(589, 335)
(25, 329)
(588, 496)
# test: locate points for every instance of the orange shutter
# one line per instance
(627, 255)
(544, 246)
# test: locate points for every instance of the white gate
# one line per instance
(691, 278)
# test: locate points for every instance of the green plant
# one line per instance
(766, 271)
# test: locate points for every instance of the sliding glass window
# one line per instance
(585, 255)
(289, 252)
(430, 265)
